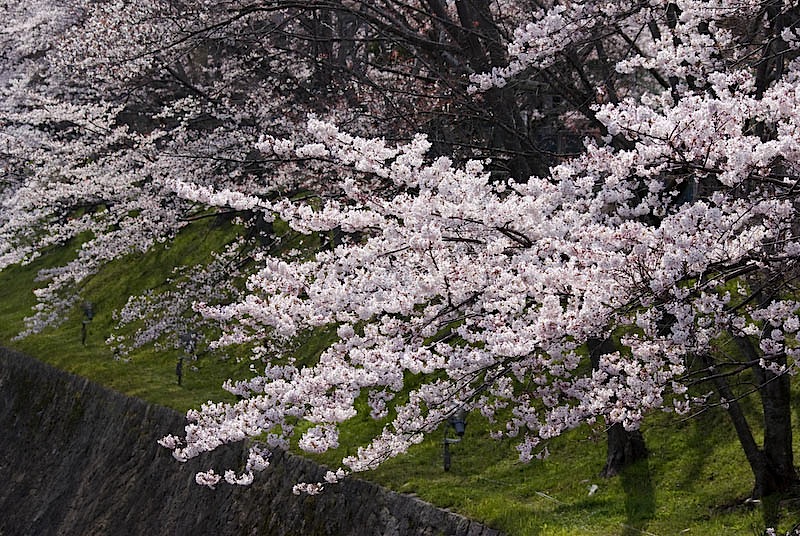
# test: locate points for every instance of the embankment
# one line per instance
(79, 459)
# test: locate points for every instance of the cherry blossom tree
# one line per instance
(674, 234)
(467, 262)
(104, 101)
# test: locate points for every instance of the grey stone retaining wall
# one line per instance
(79, 459)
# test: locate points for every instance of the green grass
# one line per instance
(148, 374)
(693, 482)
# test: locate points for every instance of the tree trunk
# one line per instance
(775, 401)
(755, 456)
(623, 447)
(772, 466)
(775, 392)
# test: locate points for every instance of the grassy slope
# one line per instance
(693, 482)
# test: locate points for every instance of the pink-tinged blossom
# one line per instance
(208, 478)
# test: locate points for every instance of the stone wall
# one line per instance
(79, 459)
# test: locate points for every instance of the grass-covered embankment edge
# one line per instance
(694, 481)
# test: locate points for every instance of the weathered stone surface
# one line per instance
(76, 458)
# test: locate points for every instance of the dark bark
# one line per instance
(755, 457)
(771, 65)
(772, 465)
(482, 45)
(480, 41)
(777, 467)
(623, 447)
(775, 401)
(321, 26)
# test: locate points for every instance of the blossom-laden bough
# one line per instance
(489, 291)
(671, 231)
